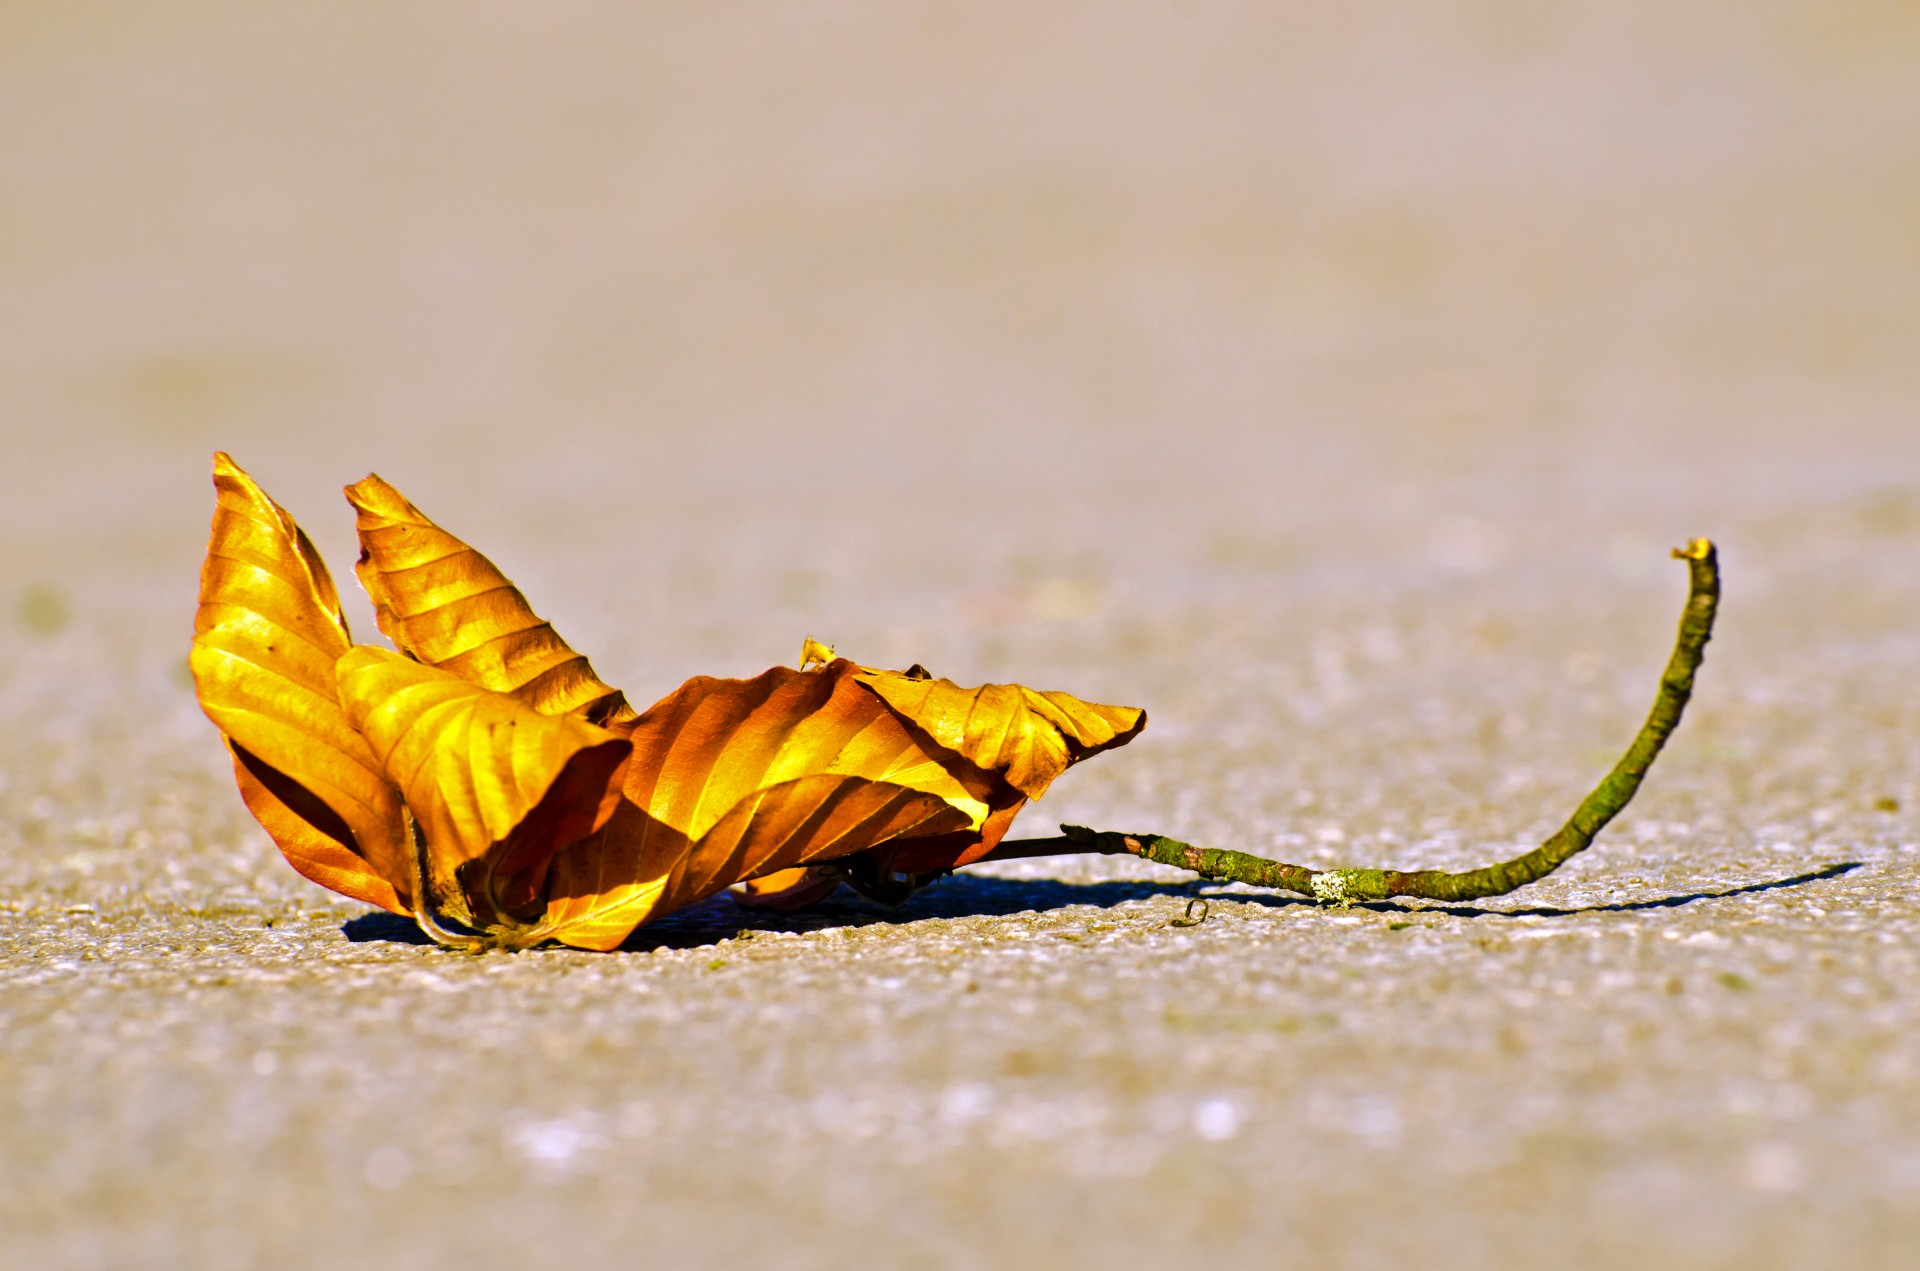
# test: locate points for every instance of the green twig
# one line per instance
(1344, 886)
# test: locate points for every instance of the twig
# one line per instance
(1344, 886)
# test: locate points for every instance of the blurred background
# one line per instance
(831, 279)
(1330, 380)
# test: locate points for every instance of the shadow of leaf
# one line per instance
(385, 927)
(984, 896)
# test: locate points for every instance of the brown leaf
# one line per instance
(266, 637)
(638, 868)
(710, 742)
(710, 753)
(446, 605)
(940, 852)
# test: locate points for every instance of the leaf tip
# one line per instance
(227, 475)
(373, 495)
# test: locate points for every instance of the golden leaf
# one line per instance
(446, 605)
(496, 787)
(534, 821)
(266, 637)
(1028, 737)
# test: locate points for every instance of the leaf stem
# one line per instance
(1344, 886)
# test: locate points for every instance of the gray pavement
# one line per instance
(1333, 391)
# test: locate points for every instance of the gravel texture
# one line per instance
(1334, 392)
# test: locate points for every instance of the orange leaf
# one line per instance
(313, 839)
(637, 868)
(266, 636)
(711, 742)
(711, 752)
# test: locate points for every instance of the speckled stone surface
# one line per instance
(1332, 390)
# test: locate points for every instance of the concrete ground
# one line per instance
(1333, 391)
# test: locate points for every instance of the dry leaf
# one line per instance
(489, 779)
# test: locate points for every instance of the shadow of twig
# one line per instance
(1624, 906)
(959, 896)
